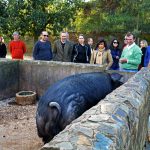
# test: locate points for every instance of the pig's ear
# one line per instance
(55, 105)
(116, 77)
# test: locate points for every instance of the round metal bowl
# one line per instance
(25, 97)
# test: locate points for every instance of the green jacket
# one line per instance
(133, 54)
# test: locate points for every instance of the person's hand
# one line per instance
(123, 60)
(107, 68)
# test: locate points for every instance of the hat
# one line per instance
(16, 33)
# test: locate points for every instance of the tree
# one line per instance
(114, 16)
(33, 16)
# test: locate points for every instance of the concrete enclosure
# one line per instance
(119, 122)
(38, 75)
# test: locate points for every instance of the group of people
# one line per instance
(130, 58)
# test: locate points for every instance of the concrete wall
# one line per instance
(39, 75)
(119, 122)
(9, 74)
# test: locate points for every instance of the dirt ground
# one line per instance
(17, 127)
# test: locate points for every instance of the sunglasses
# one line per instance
(45, 35)
(115, 42)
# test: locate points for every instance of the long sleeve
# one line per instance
(133, 55)
(92, 58)
(5, 50)
(110, 60)
(89, 53)
(35, 50)
(73, 53)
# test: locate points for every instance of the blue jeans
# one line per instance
(128, 70)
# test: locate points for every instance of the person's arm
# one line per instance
(35, 51)
(89, 53)
(92, 58)
(113, 54)
(73, 53)
(5, 51)
(51, 54)
(110, 60)
(122, 59)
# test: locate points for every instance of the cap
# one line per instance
(16, 33)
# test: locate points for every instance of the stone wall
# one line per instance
(9, 74)
(119, 122)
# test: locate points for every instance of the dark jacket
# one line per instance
(114, 53)
(147, 57)
(81, 54)
(60, 54)
(42, 51)
(3, 50)
(143, 56)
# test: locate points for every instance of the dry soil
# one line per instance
(17, 127)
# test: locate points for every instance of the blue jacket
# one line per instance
(147, 57)
(114, 53)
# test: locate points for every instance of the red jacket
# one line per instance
(17, 49)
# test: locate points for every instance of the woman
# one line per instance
(81, 52)
(143, 46)
(116, 54)
(102, 55)
(3, 50)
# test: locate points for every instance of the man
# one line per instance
(131, 55)
(17, 47)
(62, 48)
(42, 49)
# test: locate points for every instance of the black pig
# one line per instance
(67, 99)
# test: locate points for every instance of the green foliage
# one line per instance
(30, 17)
(114, 16)
(33, 16)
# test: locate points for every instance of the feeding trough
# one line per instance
(25, 97)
